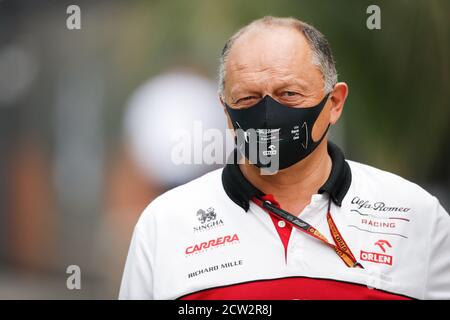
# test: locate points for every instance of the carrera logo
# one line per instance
(378, 257)
(203, 246)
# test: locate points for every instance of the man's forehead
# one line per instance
(260, 44)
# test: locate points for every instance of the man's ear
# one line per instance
(337, 98)
(222, 101)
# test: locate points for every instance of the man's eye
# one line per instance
(289, 94)
(245, 99)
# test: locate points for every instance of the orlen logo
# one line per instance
(203, 246)
(378, 257)
(382, 243)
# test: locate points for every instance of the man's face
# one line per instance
(275, 61)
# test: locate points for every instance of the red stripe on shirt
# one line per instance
(294, 288)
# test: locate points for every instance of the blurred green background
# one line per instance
(63, 94)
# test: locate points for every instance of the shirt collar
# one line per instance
(241, 191)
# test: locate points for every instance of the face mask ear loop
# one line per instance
(327, 96)
(324, 101)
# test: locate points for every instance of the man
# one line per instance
(294, 220)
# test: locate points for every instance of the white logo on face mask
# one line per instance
(295, 132)
(271, 152)
(266, 135)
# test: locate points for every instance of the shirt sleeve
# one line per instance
(438, 277)
(137, 279)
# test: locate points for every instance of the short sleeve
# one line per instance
(438, 277)
(137, 279)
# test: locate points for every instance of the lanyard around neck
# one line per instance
(339, 246)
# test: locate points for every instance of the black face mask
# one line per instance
(275, 136)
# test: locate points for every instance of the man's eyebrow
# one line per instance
(243, 87)
(247, 86)
(293, 81)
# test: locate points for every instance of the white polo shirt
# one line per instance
(208, 240)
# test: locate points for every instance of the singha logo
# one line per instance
(206, 216)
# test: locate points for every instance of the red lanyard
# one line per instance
(339, 246)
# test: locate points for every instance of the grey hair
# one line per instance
(322, 56)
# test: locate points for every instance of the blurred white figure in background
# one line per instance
(142, 168)
(164, 106)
